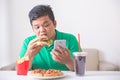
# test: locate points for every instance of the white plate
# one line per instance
(52, 77)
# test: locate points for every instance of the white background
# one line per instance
(97, 21)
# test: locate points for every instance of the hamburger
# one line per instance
(44, 39)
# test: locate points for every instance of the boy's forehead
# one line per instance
(41, 20)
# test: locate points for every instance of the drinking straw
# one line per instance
(79, 42)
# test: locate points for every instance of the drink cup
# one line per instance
(79, 63)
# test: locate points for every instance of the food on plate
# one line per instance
(37, 72)
(53, 72)
(45, 73)
(22, 66)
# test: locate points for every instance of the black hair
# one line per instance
(39, 11)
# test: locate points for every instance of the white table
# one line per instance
(90, 75)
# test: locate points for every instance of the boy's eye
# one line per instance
(36, 27)
(46, 25)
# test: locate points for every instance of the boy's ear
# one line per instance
(55, 23)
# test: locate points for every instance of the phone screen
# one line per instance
(61, 43)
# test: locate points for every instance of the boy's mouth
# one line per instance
(43, 34)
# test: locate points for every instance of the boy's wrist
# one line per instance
(70, 64)
(29, 55)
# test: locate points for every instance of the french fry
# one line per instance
(22, 66)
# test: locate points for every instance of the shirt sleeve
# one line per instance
(24, 48)
(73, 45)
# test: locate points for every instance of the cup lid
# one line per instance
(79, 53)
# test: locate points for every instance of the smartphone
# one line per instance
(61, 43)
